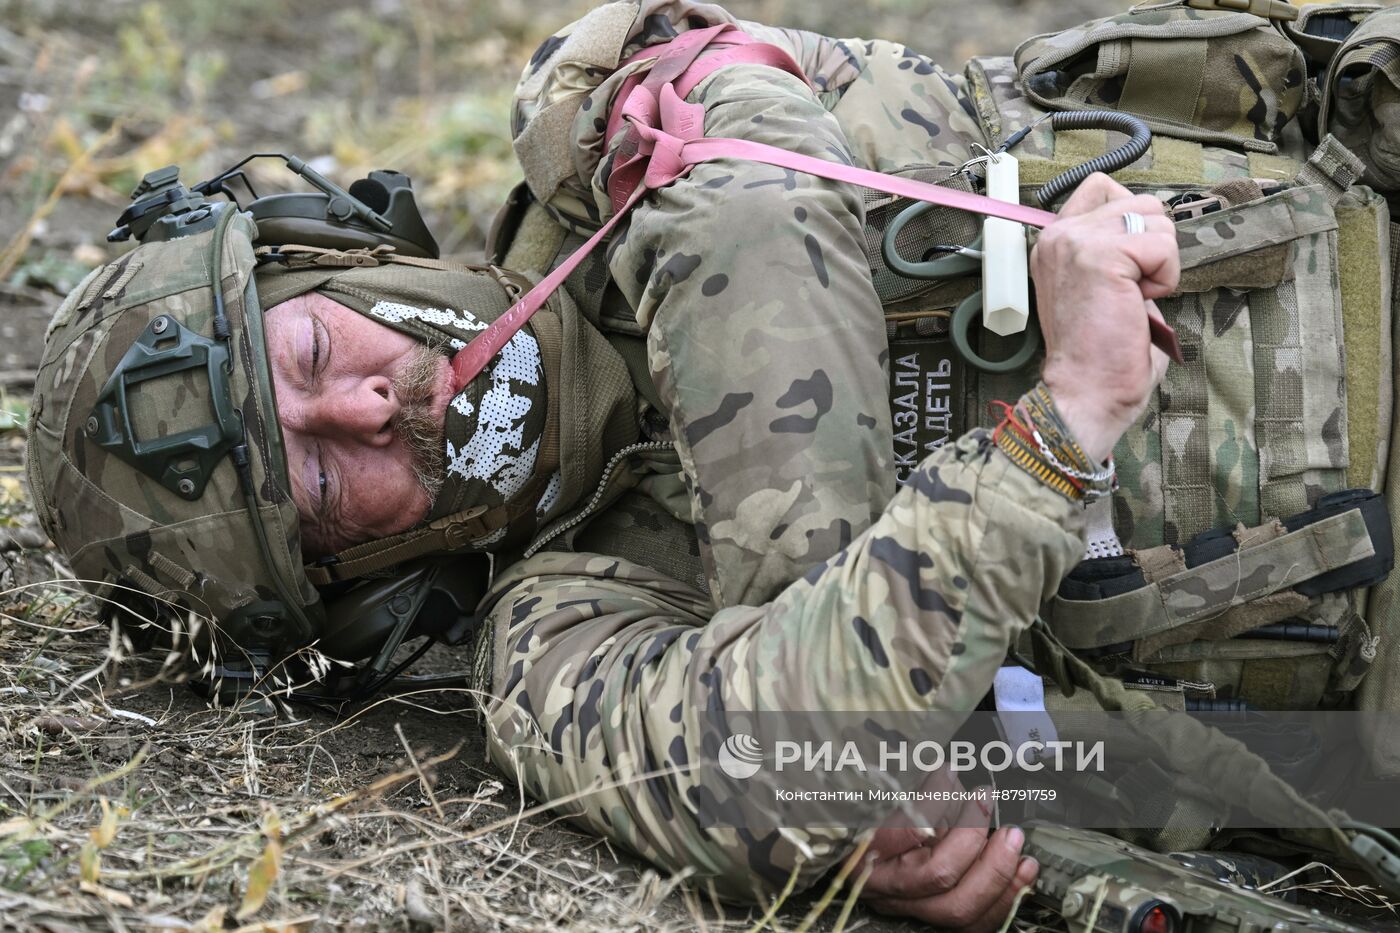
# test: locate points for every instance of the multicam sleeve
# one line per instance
(608, 672)
(766, 340)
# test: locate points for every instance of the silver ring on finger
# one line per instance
(1133, 222)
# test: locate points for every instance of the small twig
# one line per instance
(846, 908)
(778, 901)
(422, 778)
(1021, 895)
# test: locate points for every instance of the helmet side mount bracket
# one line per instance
(182, 461)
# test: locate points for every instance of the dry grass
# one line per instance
(124, 804)
(128, 803)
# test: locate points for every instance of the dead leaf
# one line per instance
(106, 831)
(289, 82)
(212, 922)
(264, 870)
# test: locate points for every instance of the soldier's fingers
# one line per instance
(1108, 216)
(985, 883)
(981, 887)
(1093, 192)
(1147, 205)
(1158, 261)
(928, 870)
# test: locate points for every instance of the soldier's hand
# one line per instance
(1095, 284)
(960, 879)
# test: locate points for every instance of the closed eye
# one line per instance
(320, 346)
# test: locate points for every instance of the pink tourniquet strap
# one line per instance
(672, 60)
(667, 139)
(703, 150)
(468, 362)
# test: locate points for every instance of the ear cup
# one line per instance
(304, 218)
(373, 193)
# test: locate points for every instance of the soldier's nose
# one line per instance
(363, 411)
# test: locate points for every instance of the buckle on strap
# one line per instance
(1268, 9)
(298, 256)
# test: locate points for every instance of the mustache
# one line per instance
(416, 427)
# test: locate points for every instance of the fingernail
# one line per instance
(984, 803)
(1015, 838)
(1027, 865)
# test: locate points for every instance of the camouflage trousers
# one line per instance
(827, 589)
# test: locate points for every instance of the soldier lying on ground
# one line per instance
(766, 348)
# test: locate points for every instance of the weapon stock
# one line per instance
(1100, 884)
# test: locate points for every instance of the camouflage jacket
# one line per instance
(801, 400)
(822, 587)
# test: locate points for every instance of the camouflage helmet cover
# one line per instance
(126, 533)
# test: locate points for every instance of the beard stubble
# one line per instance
(416, 427)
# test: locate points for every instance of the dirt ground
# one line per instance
(127, 801)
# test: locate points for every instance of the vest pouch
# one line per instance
(1267, 615)
(1253, 425)
(1361, 100)
(1285, 397)
(1265, 673)
(1380, 691)
(1323, 28)
(1200, 75)
(1264, 420)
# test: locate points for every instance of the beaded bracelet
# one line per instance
(1033, 435)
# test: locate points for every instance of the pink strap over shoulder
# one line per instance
(666, 137)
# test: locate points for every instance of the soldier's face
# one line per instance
(361, 408)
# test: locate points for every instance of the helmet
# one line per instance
(155, 457)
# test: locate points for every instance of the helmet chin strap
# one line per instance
(239, 453)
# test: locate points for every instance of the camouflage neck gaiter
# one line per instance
(493, 428)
